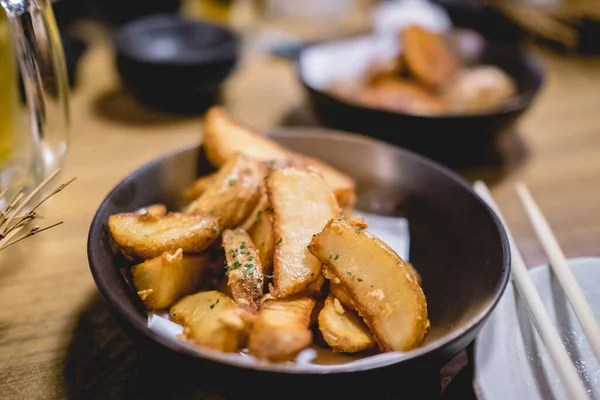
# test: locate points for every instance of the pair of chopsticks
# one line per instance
(544, 325)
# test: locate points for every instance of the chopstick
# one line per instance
(546, 329)
(559, 264)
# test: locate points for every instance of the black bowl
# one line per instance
(457, 244)
(455, 140)
(175, 64)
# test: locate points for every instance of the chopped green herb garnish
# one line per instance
(244, 252)
(145, 212)
(359, 229)
(212, 306)
(314, 234)
(249, 271)
(215, 229)
(348, 273)
(309, 247)
(337, 256)
(341, 218)
(358, 279)
(268, 276)
(278, 242)
(243, 245)
(330, 256)
(237, 264)
(258, 214)
(173, 314)
(232, 182)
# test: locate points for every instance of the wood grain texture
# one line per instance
(57, 338)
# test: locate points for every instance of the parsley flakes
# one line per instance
(278, 242)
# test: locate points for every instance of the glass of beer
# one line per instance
(33, 132)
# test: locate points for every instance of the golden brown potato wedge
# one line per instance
(263, 237)
(199, 186)
(157, 210)
(343, 329)
(281, 329)
(244, 270)
(165, 279)
(234, 192)
(340, 292)
(224, 137)
(385, 292)
(213, 320)
(414, 272)
(142, 237)
(427, 56)
(302, 204)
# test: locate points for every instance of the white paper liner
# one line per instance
(392, 230)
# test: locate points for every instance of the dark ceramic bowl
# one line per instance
(455, 140)
(456, 243)
(175, 64)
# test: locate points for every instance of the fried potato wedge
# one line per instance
(340, 292)
(385, 292)
(281, 329)
(157, 210)
(142, 237)
(212, 320)
(343, 329)
(224, 137)
(233, 192)
(427, 56)
(244, 270)
(302, 204)
(199, 186)
(263, 237)
(163, 280)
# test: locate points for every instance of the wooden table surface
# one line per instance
(56, 337)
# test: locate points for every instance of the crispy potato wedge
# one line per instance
(340, 292)
(263, 237)
(244, 270)
(234, 192)
(212, 320)
(385, 292)
(281, 329)
(142, 237)
(224, 137)
(427, 56)
(343, 329)
(199, 186)
(157, 210)
(414, 272)
(163, 280)
(302, 204)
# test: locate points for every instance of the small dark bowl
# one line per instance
(456, 140)
(456, 243)
(175, 64)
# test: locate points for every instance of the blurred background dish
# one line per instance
(175, 64)
(450, 138)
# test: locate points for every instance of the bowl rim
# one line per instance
(131, 316)
(518, 103)
(223, 52)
